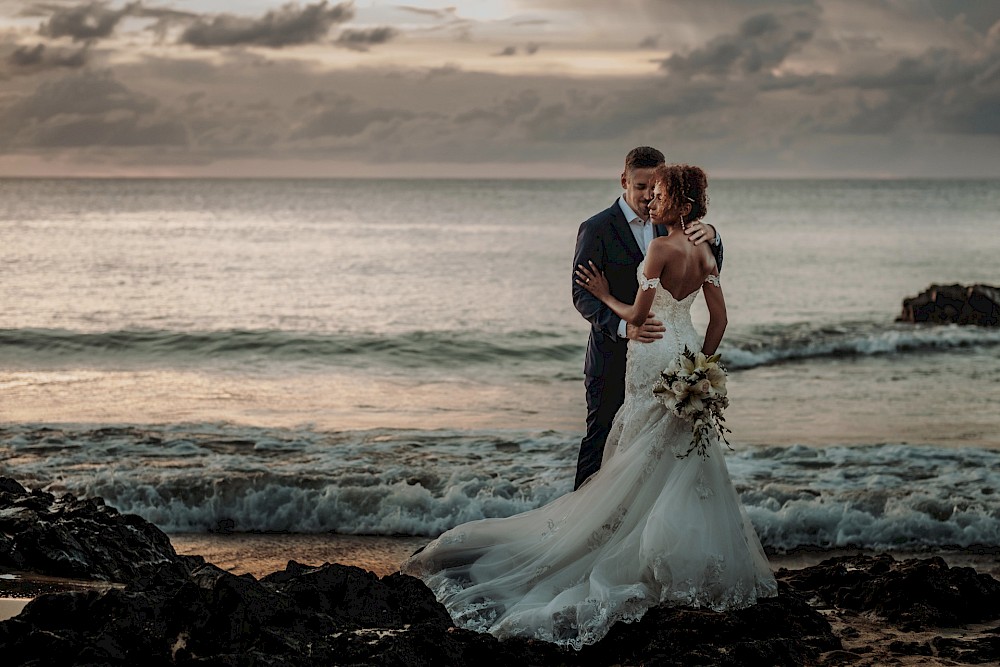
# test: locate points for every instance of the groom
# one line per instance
(615, 240)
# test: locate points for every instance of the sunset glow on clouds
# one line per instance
(557, 88)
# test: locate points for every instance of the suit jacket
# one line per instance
(607, 241)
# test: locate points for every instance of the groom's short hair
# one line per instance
(643, 157)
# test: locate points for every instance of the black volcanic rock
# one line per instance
(981, 651)
(84, 539)
(336, 614)
(181, 611)
(954, 304)
(912, 593)
(776, 631)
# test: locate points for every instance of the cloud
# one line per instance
(762, 43)
(84, 22)
(41, 57)
(342, 116)
(979, 15)
(87, 109)
(109, 131)
(530, 49)
(939, 90)
(85, 93)
(446, 13)
(287, 26)
(360, 40)
(767, 87)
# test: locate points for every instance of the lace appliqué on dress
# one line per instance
(646, 283)
(714, 280)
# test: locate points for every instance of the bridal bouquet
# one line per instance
(694, 389)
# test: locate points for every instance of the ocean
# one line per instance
(394, 357)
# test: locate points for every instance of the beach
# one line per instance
(269, 372)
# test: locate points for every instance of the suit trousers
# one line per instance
(605, 396)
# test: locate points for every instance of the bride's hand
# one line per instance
(592, 280)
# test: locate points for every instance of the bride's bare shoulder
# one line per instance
(665, 245)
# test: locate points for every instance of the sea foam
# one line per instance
(400, 482)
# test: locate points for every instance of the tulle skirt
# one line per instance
(652, 527)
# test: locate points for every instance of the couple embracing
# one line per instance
(647, 524)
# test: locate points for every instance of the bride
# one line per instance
(653, 526)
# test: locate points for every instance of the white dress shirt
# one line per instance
(642, 230)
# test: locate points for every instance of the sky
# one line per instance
(499, 88)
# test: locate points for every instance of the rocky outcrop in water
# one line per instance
(84, 539)
(954, 304)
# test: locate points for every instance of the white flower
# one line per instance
(680, 389)
(702, 388)
(687, 365)
(716, 376)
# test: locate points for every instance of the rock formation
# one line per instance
(177, 610)
(954, 304)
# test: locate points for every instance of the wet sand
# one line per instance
(263, 553)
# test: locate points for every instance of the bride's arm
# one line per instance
(717, 319)
(592, 280)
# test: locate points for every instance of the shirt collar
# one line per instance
(630, 215)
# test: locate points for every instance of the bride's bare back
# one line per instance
(685, 266)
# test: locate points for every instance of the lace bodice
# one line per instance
(646, 360)
(664, 302)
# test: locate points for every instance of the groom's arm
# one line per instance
(590, 248)
(701, 232)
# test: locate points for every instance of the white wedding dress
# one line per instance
(649, 528)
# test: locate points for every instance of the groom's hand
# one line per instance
(652, 329)
(698, 232)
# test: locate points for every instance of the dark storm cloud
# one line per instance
(940, 90)
(978, 14)
(762, 43)
(361, 39)
(41, 57)
(508, 110)
(446, 13)
(84, 22)
(96, 20)
(530, 49)
(87, 109)
(342, 116)
(110, 131)
(287, 26)
(593, 117)
(85, 93)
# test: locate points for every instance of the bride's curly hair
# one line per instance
(685, 183)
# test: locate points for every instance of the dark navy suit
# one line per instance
(607, 240)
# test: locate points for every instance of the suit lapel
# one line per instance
(624, 233)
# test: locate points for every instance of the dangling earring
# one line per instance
(683, 226)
